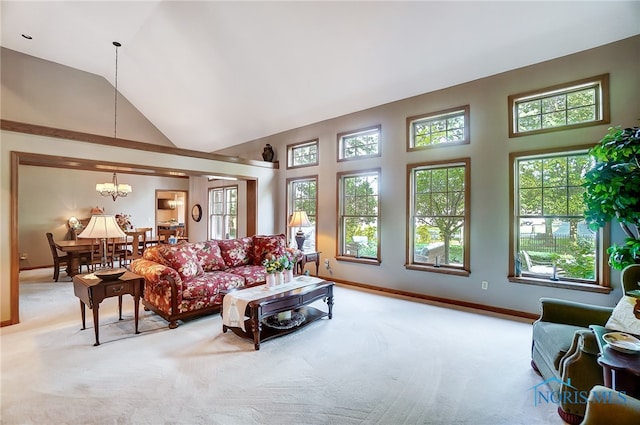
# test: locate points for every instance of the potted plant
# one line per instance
(612, 191)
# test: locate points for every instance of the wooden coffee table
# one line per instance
(297, 300)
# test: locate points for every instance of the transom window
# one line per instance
(575, 104)
(303, 154)
(223, 218)
(303, 196)
(439, 128)
(359, 203)
(552, 241)
(358, 144)
(439, 199)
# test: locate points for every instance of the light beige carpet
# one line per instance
(381, 360)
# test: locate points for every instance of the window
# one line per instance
(551, 242)
(577, 104)
(359, 206)
(303, 196)
(439, 198)
(302, 154)
(223, 207)
(359, 144)
(439, 128)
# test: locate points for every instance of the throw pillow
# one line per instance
(209, 256)
(268, 244)
(626, 316)
(236, 252)
(182, 259)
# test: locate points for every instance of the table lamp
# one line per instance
(299, 219)
(102, 227)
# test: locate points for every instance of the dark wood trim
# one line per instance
(58, 133)
(450, 301)
(252, 207)
(14, 286)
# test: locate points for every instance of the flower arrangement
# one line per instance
(124, 221)
(273, 264)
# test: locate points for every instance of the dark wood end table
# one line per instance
(308, 257)
(621, 371)
(269, 305)
(92, 292)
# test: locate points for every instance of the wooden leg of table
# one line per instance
(84, 323)
(136, 305)
(255, 328)
(119, 307)
(96, 324)
(317, 264)
(330, 305)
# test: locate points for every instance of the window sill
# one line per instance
(433, 269)
(371, 261)
(564, 284)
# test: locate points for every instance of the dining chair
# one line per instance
(59, 260)
(135, 250)
(97, 247)
(165, 234)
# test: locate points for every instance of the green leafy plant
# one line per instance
(612, 191)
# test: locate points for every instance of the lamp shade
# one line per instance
(299, 219)
(102, 226)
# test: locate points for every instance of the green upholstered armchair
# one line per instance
(564, 350)
(606, 406)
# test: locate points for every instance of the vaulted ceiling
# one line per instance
(212, 74)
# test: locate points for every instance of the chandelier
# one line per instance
(113, 189)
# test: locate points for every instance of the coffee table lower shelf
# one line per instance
(266, 332)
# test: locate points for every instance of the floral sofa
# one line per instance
(185, 280)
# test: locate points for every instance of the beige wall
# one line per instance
(489, 150)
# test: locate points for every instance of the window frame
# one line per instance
(465, 269)
(341, 136)
(340, 255)
(602, 283)
(602, 104)
(289, 184)
(431, 116)
(224, 215)
(291, 153)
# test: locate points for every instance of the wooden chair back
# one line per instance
(165, 234)
(137, 246)
(58, 260)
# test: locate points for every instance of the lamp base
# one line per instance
(300, 239)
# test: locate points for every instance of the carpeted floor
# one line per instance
(380, 360)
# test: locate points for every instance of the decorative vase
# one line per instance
(271, 280)
(279, 278)
(288, 276)
(268, 153)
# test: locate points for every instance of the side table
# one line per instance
(621, 372)
(308, 257)
(91, 292)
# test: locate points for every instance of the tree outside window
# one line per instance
(439, 199)
(303, 196)
(359, 215)
(359, 144)
(552, 239)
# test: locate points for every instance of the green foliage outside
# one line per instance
(360, 211)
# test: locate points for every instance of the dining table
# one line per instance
(81, 247)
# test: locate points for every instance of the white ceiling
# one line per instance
(212, 74)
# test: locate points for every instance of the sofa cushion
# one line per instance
(268, 244)
(236, 252)
(182, 259)
(210, 284)
(554, 340)
(250, 273)
(626, 316)
(209, 256)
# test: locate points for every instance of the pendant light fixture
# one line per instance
(112, 188)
